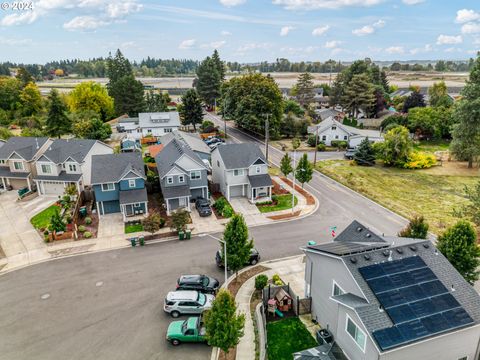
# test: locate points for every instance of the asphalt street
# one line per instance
(108, 305)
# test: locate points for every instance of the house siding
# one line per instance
(101, 195)
(98, 148)
(139, 184)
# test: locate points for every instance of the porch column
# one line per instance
(98, 209)
(252, 195)
(123, 209)
(168, 207)
(29, 185)
(188, 202)
(146, 207)
(3, 183)
(78, 188)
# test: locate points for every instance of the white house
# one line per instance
(159, 123)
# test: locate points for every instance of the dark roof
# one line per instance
(191, 140)
(5, 172)
(170, 192)
(260, 180)
(133, 196)
(346, 248)
(61, 149)
(240, 156)
(356, 232)
(26, 147)
(112, 167)
(63, 176)
(173, 151)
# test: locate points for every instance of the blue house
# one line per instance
(119, 184)
(130, 145)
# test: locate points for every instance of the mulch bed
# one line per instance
(92, 228)
(278, 190)
(215, 196)
(310, 198)
(285, 216)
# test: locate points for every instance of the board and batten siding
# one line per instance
(98, 148)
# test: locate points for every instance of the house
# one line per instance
(332, 130)
(182, 175)
(130, 126)
(241, 170)
(158, 123)
(391, 298)
(119, 184)
(17, 160)
(67, 162)
(130, 144)
(324, 114)
(193, 141)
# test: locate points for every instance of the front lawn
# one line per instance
(42, 219)
(132, 228)
(433, 193)
(286, 337)
(284, 202)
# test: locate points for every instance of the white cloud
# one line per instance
(449, 39)
(466, 15)
(15, 42)
(427, 48)
(471, 28)
(285, 30)
(337, 51)
(26, 17)
(217, 44)
(379, 24)
(319, 31)
(476, 41)
(369, 29)
(230, 3)
(253, 46)
(395, 50)
(412, 2)
(332, 44)
(120, 10)
(298, 50)
(452, 49)
(84, 23)
(187, 44)
(323, 4)
(225, 33)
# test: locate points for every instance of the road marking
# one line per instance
(99, 283)
(45, 296)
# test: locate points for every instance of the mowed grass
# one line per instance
(284, 202)
(433, 193)
(42, 219)
(432, 145)
(286, 337)
(132, 228)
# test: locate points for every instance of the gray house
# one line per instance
(182, 175)
(193, 141)
(159, 123)
(391, 298)
(241, 170)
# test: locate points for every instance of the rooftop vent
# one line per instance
(353, 260)
(453, 288)
(436, 252)
(413, 248)
(426, 245)
(386, 253)
(399, 250)
(380, 308)
(359, 229)
(368, 235)
(367, 257)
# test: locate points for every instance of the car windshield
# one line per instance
(204, 205)
(202, 299)
(205, 281)
(184, 326)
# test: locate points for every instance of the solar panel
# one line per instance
(346, 248)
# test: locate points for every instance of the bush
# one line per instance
(311, 140)
(341, 144)
(419, 160)
(220, 204)
(227, 211)
(276, 280)
(321, 147)
(265, 203)
(88, 220)
(81, 228)
(45, 232)
(87, 234)
(162, 222)
(261, 281)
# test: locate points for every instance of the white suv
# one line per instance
(187, 302)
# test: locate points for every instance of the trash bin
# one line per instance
(141, 240)
(133, 241)
(181, 235)
(188, 234)
(83, 211)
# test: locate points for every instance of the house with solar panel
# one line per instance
(391, 298)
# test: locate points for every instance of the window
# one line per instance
(18, 165)
(169, 180)
(181, 178)
(131, 183)
(337, 290)
(258, 169)
(137, 205)
(334, 128)
(2, 161)
(195, 175)
(218, 163)
(324, 137)
(108, 187)
(72, 167)
(336, 136)
(168, 130)
(356, 333)
(238, 172)
(46, 169)
(345, 137)
(464, 358)
(189, 332)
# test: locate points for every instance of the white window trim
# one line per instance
(333, 287)
(70, 166)
(181, 179)
(169, 180)
(105, 190)
(137, 205)
(2, 161)
(46, 166)
(239, 174)
(195, 172)
(130, 183)
(18, 162)
(358, 328)
(258, 169)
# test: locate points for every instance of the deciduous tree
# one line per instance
(94, 129)
(31, 102)
(417, 228)
(438, 94)
(304, 170)
(156, 101)
(238, 243)
(471, 210)
(153, 222)
(91, 96)
(286, 165)
(396, 148)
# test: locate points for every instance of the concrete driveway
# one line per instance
(250, 212)
(205, 224)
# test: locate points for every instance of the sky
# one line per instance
(241, 30)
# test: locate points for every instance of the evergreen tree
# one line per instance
(304, 170)
(191, 110)
(128, 95)
(224, 327)
(459, 245)
(365, 155)
(238, 244)
(220, 65)
(24, 76)
(57, 123)
(286, 164)
(305, 89)
(414, 100)
(359, 95)
(208, 81)
(417, 228)
(117, 68)
(156, 102)
(289, 125)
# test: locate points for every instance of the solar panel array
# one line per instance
(346, 248)
(415, 300)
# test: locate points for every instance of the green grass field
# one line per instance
(42, 219)
(433, 193)
(284, 203)
(131, 228)
(432, 145)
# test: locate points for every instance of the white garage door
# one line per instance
(53, 188)
(236, 191)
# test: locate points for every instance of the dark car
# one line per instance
(202, 283)
(203, 207)
(254, 258)
(214, 140)
(350, 153)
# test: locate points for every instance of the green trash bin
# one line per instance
(133, 241)
(141, 240)
(188, 234)
(181, 235)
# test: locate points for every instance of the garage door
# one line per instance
(236, 191)
(110, 207)
(196, 193)
(52, 188)
(18, 183)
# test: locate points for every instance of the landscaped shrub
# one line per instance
(81, 228)
(220, 203)
(276, 280)
(339, 144)
(45, 232)
(261, 281)
(87, 234)
(227, 211)
(311, 140)
(321, 147)
(419, 160)
(264, 203)
(88, 220)
(162, 222)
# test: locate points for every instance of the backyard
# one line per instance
(286, 337)
(433, 193)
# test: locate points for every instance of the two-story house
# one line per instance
(391, 298)
(119, 184)
(193, 141)
(159, 123)
(67, 162)
(241, 170)
(17, 160)
(182, 175)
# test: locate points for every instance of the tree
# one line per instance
(304, 170)
(91, 96)
(238, 244)
(414, 100)
(156, 101)
(208, 81)
(94, 129)
(459, 245)
(57, 123)
(219, 64)
(365, 155)
(291, 106)
(31, 102)
(191, 111)
(117, 68)
(56, 222)
(417, 228)
(289, 126)
(224, 327)
(5, 134)
(153, 222)
(180, 219)
(24, 76)
(32, 132)
(10, 89)
(471, 210)
(438, 94)
(359, 95)
(128, 96)
(396, 148)
(305, 90)
(286, 164)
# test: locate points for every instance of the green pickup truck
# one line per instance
(190, 330)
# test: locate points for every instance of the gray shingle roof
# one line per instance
(112, 167)
(173, 151)
(356, 232)
(133, 196)
(240, 156)
(260, 180)
(191, 140)
(159, 119)
(5, 172)
(61, 149)
(26, 147)
(128, 120)
(170, 192)
(63, 176)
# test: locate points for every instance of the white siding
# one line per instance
(98, 149)
(331, 135)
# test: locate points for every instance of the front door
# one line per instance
(129, 210)
(182, 202)
(254, 193)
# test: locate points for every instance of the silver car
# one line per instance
(187, 302)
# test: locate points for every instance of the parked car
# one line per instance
(214, 140)
(350, 153)
(254, 258)
(203, 207)
(215, 145)
(187, 302)
(202, 283)
(190, 330)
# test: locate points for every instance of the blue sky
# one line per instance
(242, 30)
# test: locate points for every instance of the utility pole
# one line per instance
(294, 173)
(316, 146)
(267, 134)
(224, 116)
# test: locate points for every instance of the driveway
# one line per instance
(111, 225)
(250, 212)
(205, 224)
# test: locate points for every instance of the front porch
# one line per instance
(260, 188)
(173, 204)
(134, 211)
(15, 180)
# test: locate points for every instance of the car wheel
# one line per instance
(175, 314)
(254, 262)
(175, 342)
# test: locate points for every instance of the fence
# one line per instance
(299, 306)
(261, 321)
